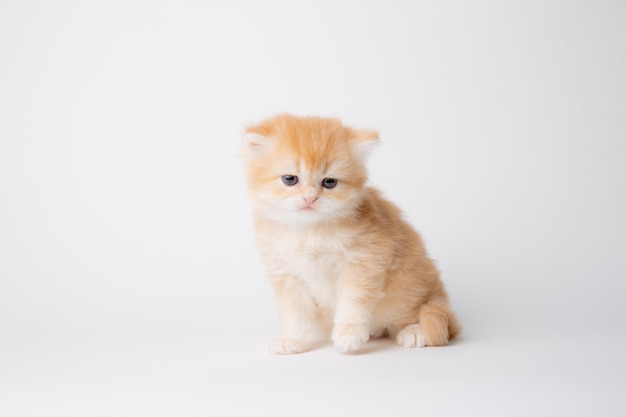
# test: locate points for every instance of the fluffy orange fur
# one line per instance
(340, 258)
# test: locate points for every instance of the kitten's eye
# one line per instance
(329, 183)
(290, 180)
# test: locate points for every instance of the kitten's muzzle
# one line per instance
(309, 201)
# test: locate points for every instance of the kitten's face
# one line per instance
(306, 170)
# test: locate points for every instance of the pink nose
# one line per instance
(309, 200)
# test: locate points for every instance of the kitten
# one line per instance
(340, 258)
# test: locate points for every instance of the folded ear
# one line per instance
(365, 135)
(364, 141)
(255, 144)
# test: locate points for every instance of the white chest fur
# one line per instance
(315, 258)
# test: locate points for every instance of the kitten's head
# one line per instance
(304, 170)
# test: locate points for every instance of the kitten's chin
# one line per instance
(300, 217)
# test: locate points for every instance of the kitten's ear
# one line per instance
(365, 135)
(255, 144)
(364, 141)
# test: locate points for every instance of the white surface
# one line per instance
(129, 281)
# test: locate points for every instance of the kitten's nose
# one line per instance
(309, 200)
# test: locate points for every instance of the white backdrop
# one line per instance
(129, 281)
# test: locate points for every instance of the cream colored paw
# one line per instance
(288, 346)
(350, 337)
(411, 336)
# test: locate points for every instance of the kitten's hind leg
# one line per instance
(436, 326)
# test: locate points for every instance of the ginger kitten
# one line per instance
(340, 258)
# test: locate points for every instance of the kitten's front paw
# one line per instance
(350, 336)
(287, 346)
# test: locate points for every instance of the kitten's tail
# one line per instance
(438, 323)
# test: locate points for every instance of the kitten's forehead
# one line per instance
(316, 149)
(316, 167)
(315, 171)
